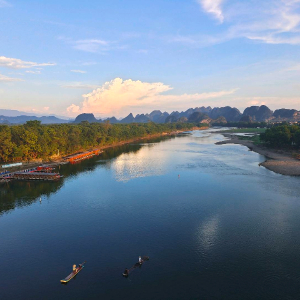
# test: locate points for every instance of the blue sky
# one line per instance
(112, 57)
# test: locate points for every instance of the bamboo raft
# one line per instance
(73, 274)
(36, 176)
(136, 265)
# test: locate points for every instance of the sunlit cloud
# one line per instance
(73, 109)
(4, 78)
(15, 63)
(112, 96)
(118, 95)
(213, 7)
(256, 103)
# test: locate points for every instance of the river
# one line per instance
(214, 224)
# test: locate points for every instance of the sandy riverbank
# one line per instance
(278, 161)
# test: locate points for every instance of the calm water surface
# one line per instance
(224, 229)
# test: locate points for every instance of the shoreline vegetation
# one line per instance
(34, 144)
(279, 161)
(29, 138)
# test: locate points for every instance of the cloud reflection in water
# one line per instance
(144, 163)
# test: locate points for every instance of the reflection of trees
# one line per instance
(22, 193)
(114, 152)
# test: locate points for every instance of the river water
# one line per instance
(214, 224)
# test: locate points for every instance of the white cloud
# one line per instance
(4, 78)
(46, 108)
(89, 63)
(199, 41)
(118, 95)
(268, 21)
(91, 45)
(15, 63)
(33, 72)
(78, 71)
(279, 25)
(99, 46)
(271, 39)
(213, 7)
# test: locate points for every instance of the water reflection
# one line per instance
(142, 164)
(18, 194)
(208, 232)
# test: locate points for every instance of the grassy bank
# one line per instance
(245, 130)
(255, 139)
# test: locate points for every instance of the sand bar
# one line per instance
(278, 161)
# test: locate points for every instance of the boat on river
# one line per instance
(73, 274)
(136, 265)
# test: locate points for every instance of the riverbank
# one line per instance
(60, 160)
(278, 161)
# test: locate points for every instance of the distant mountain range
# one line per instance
(205, 115)
(13, 113)
(23, 119)
(17, 113)
(198, 114)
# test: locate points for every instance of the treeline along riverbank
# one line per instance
(35, 141)
(282, 136)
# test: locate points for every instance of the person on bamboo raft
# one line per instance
(74, 268)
